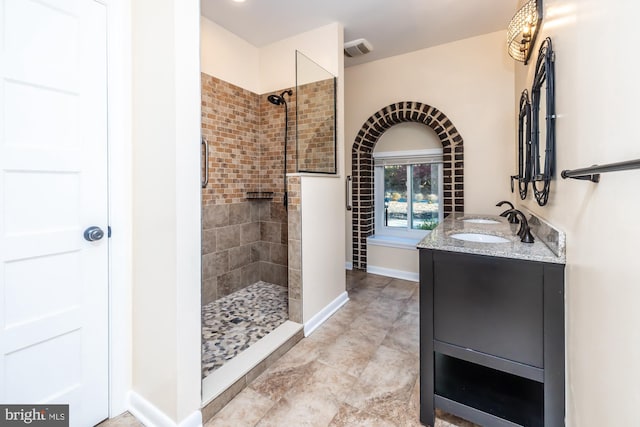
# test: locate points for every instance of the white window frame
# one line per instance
(408, 157)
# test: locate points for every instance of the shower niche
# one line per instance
(315, 117)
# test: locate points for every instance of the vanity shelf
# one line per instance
(489, 396)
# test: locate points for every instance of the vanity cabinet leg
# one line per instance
(554, 370)
(427, 362)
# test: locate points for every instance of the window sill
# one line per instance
(394, 241)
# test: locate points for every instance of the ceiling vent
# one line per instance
(357, 47)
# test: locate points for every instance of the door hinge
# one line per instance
(108, 232)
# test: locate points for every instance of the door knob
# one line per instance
(94, 233)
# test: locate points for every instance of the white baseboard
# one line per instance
(348, 265)
(408, 243)
(149, 415)
(325, 313)
(193, 420)
(396, 274)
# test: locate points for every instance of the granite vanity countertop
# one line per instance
(440, 239)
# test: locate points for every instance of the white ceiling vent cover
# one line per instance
(357, 47)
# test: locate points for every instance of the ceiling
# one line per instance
(392, 26)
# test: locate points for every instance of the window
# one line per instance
(408, 192)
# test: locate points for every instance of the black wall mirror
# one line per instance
(543, 118)
(524, 145)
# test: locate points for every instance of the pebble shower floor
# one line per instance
(234, 322)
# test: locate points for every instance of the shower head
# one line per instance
(275, 99)
(279, 99)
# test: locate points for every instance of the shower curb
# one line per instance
(212, 407)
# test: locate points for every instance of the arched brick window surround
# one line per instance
(362, 166)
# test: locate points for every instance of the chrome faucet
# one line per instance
(525, 231)
(511, 217)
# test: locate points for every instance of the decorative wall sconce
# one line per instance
(523, 29)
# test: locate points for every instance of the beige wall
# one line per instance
(262, 70)
(596, 92)
(278, 60)
(403, 262)
(228, 57)
(471, 81)
(323, 276)
(407, 136)
(166, 214)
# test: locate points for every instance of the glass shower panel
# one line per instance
(315, 117)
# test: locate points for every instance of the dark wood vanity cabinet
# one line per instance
(491, 339)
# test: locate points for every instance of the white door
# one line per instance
(53, 186)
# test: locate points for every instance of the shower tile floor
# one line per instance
(234, 322)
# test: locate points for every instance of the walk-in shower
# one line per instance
(279, 100)
(244, 222)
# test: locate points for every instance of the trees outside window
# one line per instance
(409, 196)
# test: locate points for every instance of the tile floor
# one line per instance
(124, 420)
(234, 322)
(360, 368)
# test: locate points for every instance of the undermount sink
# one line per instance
(479, 238)
(481, 221)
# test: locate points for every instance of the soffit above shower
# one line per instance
(393, 27)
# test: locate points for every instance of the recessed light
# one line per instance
(239, 1)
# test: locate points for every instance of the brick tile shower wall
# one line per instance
(362, 166)
(295, 249)
(271, 136)
(243, 241)
(230, 120)
(316, 127)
